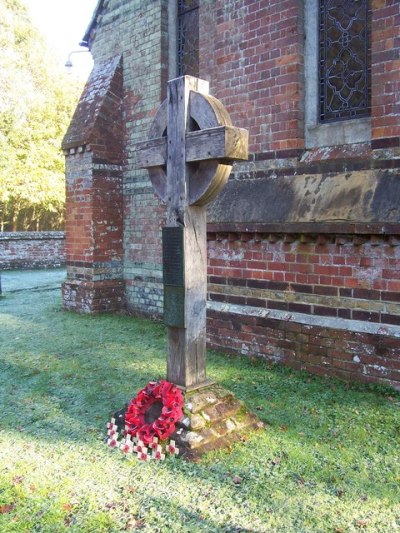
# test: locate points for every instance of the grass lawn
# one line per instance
(328, 459)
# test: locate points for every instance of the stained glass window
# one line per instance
(344, 59)
(188, 37)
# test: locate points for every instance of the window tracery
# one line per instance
(344, 70)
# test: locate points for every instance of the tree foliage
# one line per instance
(36, 104)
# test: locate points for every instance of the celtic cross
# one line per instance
(192, 145)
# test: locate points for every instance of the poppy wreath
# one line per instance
(171, 401)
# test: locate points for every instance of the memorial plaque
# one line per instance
(174, 306)
(173, 276)
(173, 253)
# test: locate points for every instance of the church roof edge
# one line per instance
(97, 11)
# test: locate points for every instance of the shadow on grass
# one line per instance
(57, 366)
(197, 521)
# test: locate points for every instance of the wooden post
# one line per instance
(197, 166)
(186, 364)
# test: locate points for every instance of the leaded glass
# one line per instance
(188, 37)
(344, 59)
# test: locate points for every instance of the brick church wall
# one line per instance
(139, 31)
(304, 257)
(385, 77)
(325, 303)
(304, 240)
(252, 53)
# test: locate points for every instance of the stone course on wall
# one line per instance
(34, 249)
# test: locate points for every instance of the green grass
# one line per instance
(328, 459)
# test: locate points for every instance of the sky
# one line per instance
(63, 24)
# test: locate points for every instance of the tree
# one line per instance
(37, 100)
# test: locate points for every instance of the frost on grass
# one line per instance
(327, 460)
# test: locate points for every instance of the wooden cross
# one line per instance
(192, 145)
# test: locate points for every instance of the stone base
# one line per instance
(213, 419)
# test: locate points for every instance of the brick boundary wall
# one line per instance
(34, 249)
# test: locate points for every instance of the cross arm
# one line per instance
(224, 143)
(151, 153)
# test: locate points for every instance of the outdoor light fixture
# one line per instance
(68, 64)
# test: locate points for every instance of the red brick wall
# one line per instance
(341, 276)
(348, 354)
(94, 235)
(319, 287)
(284, 298)
(252, 53)
(32, 250)
(385, 74)
(94, 207)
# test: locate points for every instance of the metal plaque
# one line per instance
(174, 276)
(174, 306)
(173, 256)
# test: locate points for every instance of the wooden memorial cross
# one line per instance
(192, 145)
